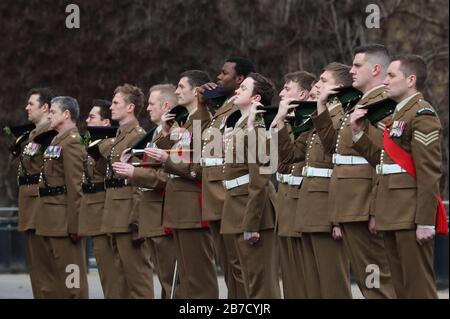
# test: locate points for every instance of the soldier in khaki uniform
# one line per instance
(297, 86)
(233, 73)
(59, 204)
(120, 218)
(30, 163)
(319, 248)
(183, 201)
(405, 210)
(93, 200)
(353, 178)
(249, 208)
(152, 182)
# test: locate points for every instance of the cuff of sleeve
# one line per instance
(426, 227)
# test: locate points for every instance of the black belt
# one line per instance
(93, 188)
(52, 191)
(115, 183)
(28, 179)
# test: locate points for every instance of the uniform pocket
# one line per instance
(403, 180)
(318, 184)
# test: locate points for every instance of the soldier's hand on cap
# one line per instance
(251, 237)
(252, 114)
(123, 169)
(371, 226)
(336, 233)
(424, 235)
(157, 154)
(125, 156)
(325, 91)
(357, 120)
(207, 87)
(167, 120)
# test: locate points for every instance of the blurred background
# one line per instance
(146, 42)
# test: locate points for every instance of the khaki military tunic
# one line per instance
(251, 208)
(402, 201)
(58, 215)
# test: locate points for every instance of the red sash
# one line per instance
(406, 161)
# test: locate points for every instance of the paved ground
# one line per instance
(17, 286)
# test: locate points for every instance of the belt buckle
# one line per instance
(334, 159)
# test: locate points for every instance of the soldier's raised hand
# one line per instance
(357, 120)
(325, 91)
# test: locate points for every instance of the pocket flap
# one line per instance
(402, 180)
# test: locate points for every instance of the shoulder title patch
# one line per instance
(425, 111)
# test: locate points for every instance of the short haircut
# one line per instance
(45, 95)
(341, 73)
(166, 91)
(376, 54)
(411, 64)
(104, 105)
(304, 79)
(67, 103)
(243, 66)
(264, 87)
(132, 94)
(196, 77)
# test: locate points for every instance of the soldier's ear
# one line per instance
(106, 122)
(131, 108)
(376, 70)
(240, 79)
(256, 98)
(45, 108)
(411, 81)
(303, 95)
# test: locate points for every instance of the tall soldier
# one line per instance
(353, 178)
(297, 87)
(249, 208)
(120, 218)
(409, 169)
(233, 72)
(319, 249)
(152, 182)
(182, 208)
(93, 201)
(60, 196)
(31, 159)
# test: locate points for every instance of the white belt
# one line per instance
(316, 172)
(243, 180)
(143, 189)
(172, 176)
(388, 169)
(207, 162)
(348, 160)
(295, 180)
(283, 178)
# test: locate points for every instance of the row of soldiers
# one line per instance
(344, 198)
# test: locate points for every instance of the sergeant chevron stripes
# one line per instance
(426, 139)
